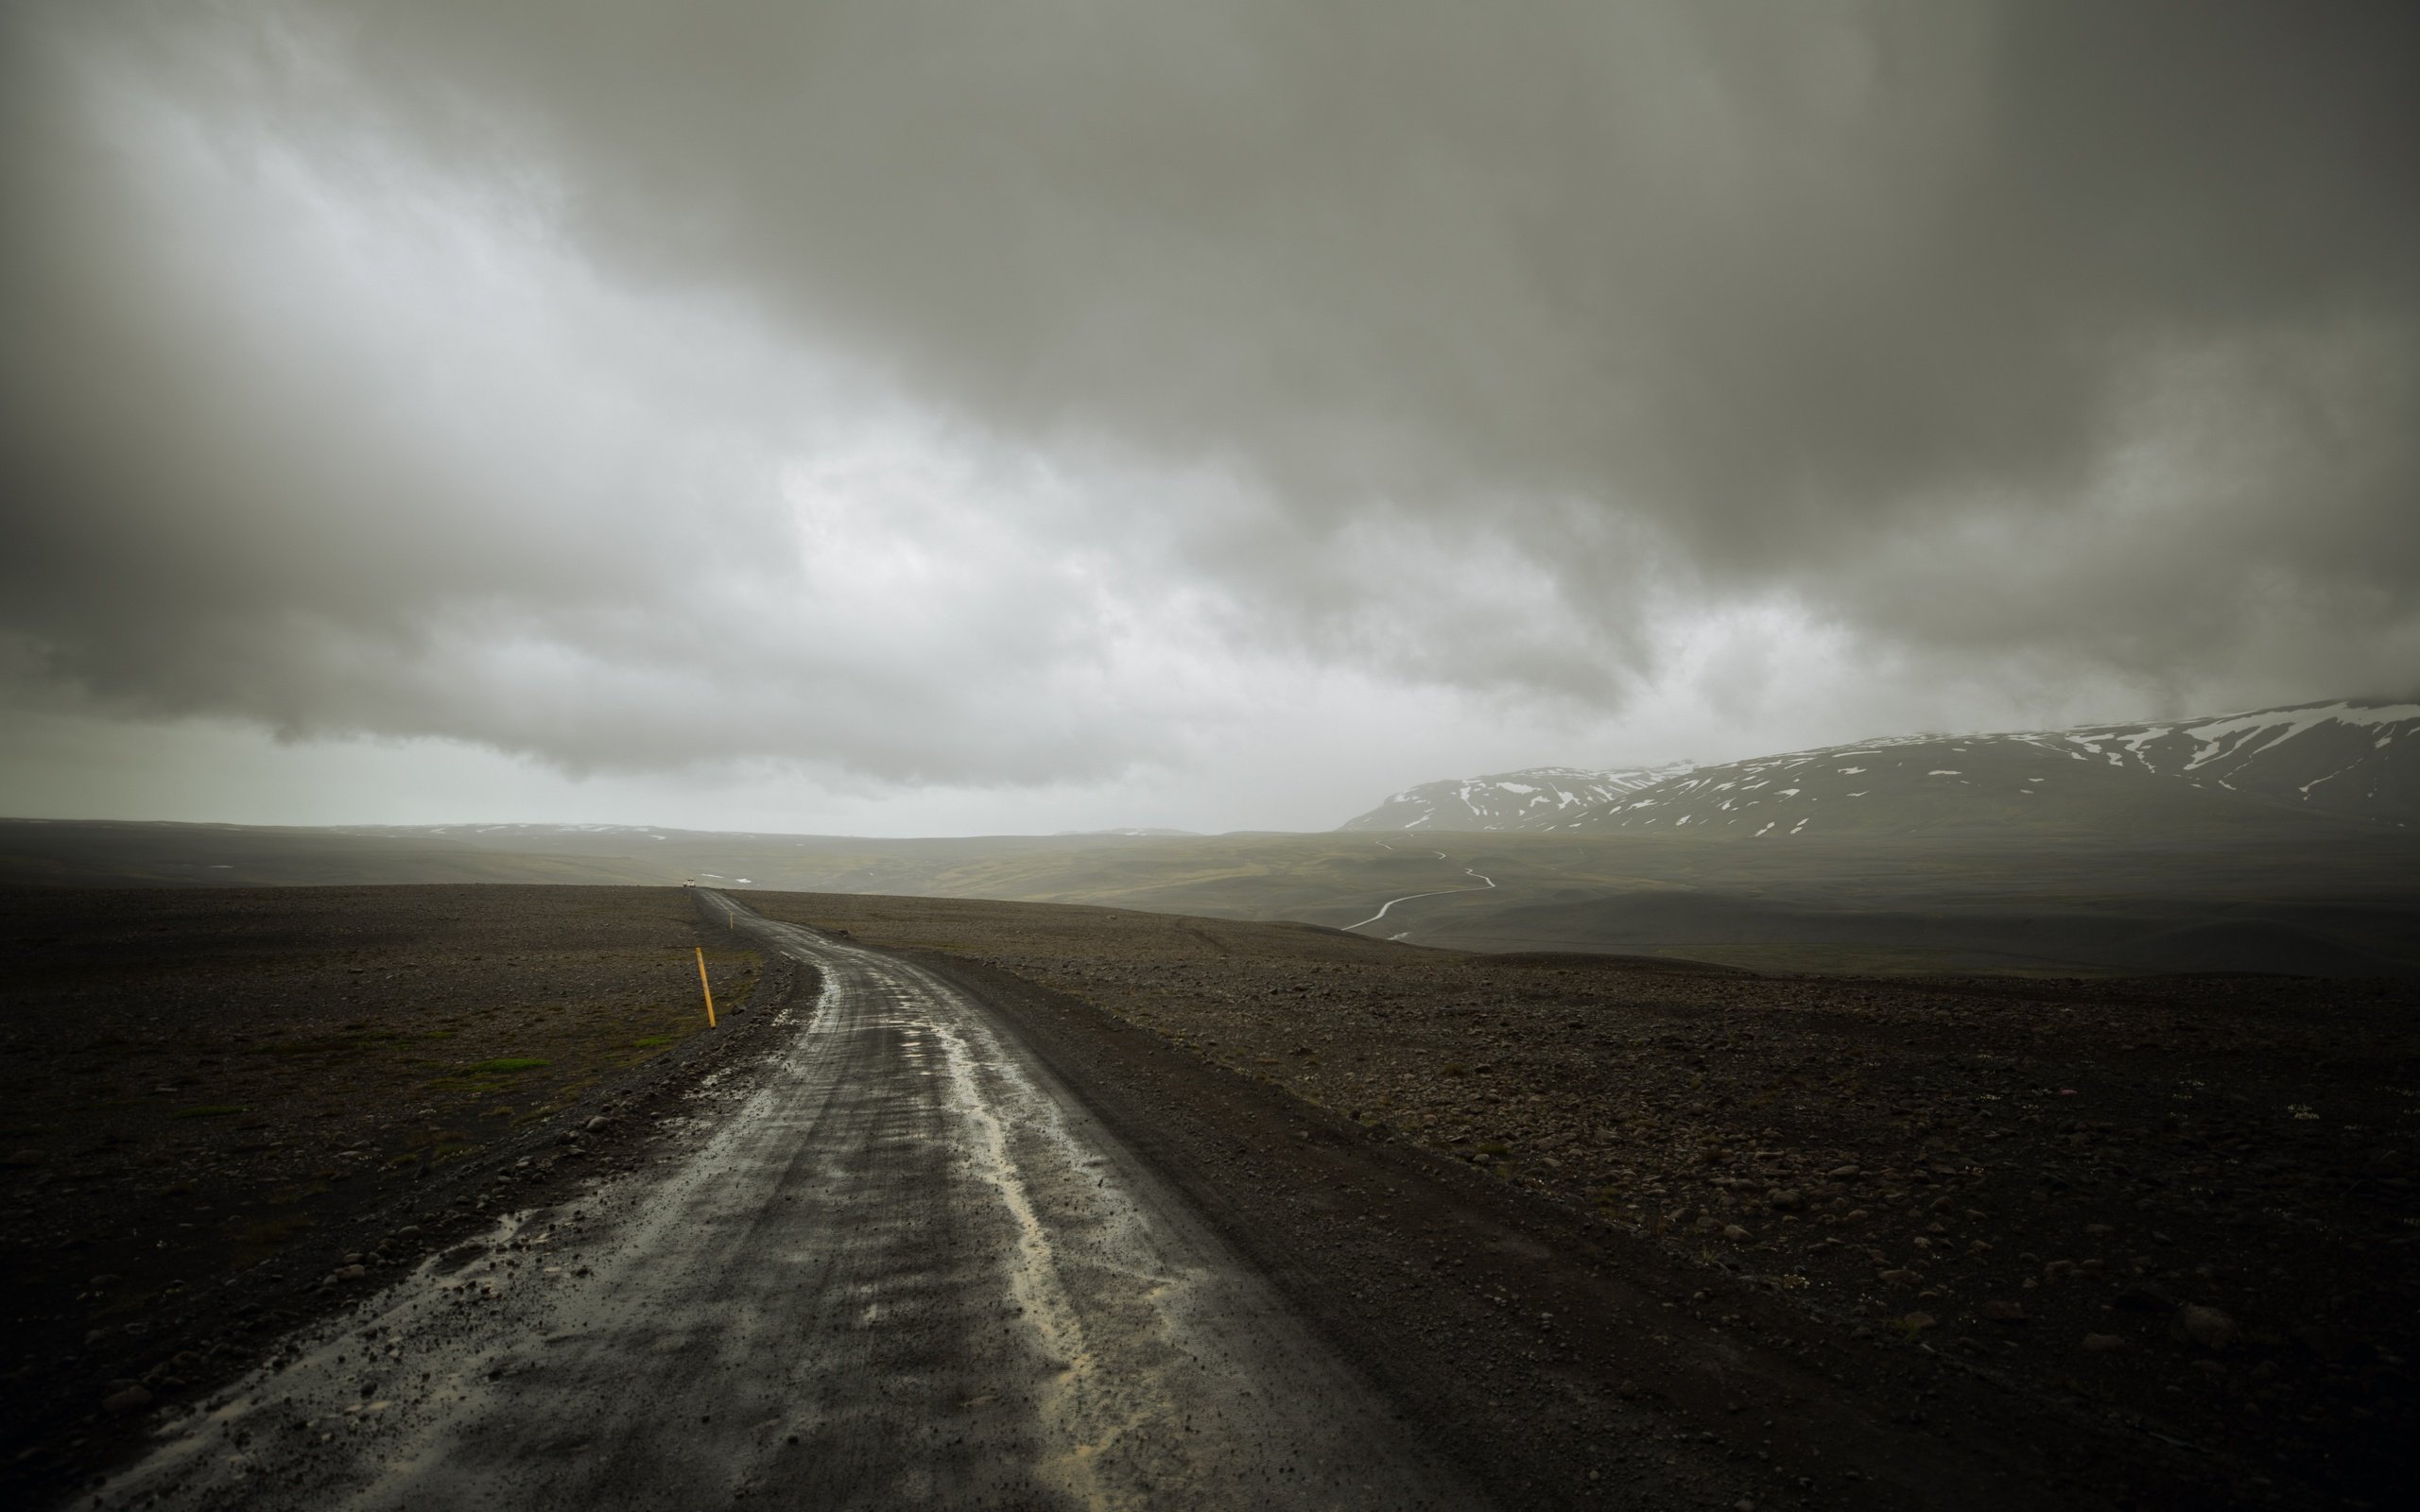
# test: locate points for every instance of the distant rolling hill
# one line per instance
(1539, 798)
(2349, 759)
(2280, 889)
(2282, 840)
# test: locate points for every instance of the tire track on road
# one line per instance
(907, 1268)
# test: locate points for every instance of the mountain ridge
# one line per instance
(2345, 758)
(1513, 800)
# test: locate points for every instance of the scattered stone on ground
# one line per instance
(2167, 1169)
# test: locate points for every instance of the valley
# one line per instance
(2286, 841)
(2272, 891)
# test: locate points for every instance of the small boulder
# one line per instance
(130, 1399)
(2103, 1343)
(2004, 1312)
(2204, 1326)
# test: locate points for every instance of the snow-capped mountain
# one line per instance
(2353, 758)
(2349, 756)
(1541, 798)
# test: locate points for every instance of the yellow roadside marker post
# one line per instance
(707, 985)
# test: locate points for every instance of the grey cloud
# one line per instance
(345, 492)
(2038, 334)
(1777, 278)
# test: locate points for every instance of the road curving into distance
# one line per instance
(1485, 883)
(901, 1266)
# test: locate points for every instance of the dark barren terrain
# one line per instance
(213, 1099)
(2176, 1211)
(1613, 1231)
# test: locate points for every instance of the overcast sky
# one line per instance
(1022, 416)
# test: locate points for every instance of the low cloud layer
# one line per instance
(1026, 393)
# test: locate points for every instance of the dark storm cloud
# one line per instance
(1778, 275)
(2084, 336)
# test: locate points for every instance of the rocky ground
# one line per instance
(2177, 1213)
(220, 1111)
(2181, 1207)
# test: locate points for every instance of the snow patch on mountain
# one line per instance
(2353, 758)
(1537, 797)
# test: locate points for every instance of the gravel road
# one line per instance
(900, 1266)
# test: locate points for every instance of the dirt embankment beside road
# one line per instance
(211, 1101)
(2181, 1210)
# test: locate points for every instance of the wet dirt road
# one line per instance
(900, 1266)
